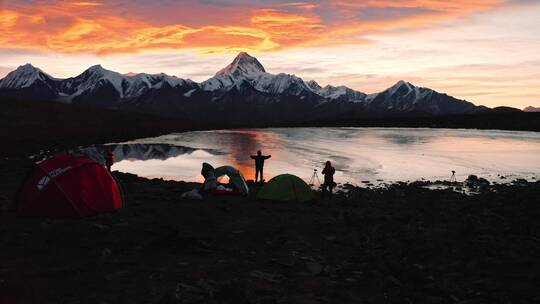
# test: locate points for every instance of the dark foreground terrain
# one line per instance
(402, 244)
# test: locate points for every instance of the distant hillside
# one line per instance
(509, 120)
(531, 109)
(29, 126)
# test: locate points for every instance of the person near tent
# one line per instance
(328, 173)
(109, 159)
(237, 182)
(259, 164)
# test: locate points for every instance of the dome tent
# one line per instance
(286, 188)
(235, 177)
(68, 186)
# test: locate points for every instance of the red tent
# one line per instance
(68, 186)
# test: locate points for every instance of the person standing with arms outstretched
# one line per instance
(328, 173)
(259, 164)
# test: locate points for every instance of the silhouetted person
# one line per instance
(109, 159)
(328, 173)
(259, 164)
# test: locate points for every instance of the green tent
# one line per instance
(286, 188)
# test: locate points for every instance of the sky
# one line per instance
(484, 51)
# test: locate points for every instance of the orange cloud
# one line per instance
(302, 5)
(464, 5)
(286, 29)
(87, 4)
(90, 27)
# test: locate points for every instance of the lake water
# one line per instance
(358, 154)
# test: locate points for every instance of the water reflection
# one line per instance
(406, 139)
(133, 152)
(245, 143)
(358, 154)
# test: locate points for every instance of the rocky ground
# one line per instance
(401, 244)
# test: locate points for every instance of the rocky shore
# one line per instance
(400, 244)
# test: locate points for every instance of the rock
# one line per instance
(471, 179)
(230, 291)
(474, 181)
(394, 280)
(284, 262)
(269, 277)
(5, 203)
(267, 300)
(314, 268)
(330, 238)
(192, 195)
(102, 228)
(181, 287)
(106, 252)
(520, 182)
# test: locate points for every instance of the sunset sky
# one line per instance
(484, 51)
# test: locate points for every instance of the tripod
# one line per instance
(453, 177)
(313, 177)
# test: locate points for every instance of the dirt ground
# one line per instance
(403, 244)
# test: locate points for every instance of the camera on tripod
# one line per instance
(313, 177)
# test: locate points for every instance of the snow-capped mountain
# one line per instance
(405, 97)
(25, 76)
(29, 81)
(95, 85)
(246, 68)
(243, 91)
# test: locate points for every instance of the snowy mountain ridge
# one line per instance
(244, 81)
(127, 86)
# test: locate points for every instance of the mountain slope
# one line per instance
(404, 97)
(241, 91)
(531, 109)
(29, 81)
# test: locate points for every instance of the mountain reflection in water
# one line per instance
(358, 154)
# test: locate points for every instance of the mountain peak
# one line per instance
(95, 68)
(27, 69)
(23, 76)
(244, 54)
(26, 66)
(244, 65)
(401, 85)
(99, 71)
(402, 82)
(312, 84)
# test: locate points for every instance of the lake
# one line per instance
(359, 154)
